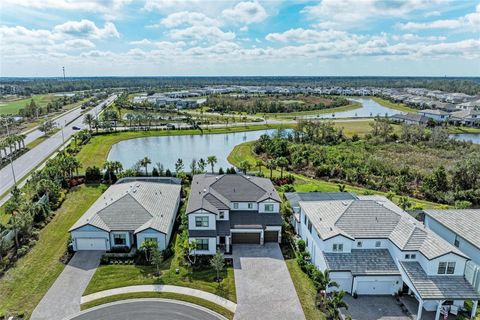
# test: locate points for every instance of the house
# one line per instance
(435, 114)
(410, 118)
(128, 213)
(466, 117)
(232, 208)
(459, 227)
(372, 247)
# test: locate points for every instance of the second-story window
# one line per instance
(451, 268)
(269, 207)
(221, 216)
(442, 267)
(250, 205)
(359, 244)
(309, 226)
(378, 244)
(338, 247)
(456, 243)
(201, 221)
(235, 205)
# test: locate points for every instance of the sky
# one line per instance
(239, 38)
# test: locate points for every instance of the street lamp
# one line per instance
(11, 162)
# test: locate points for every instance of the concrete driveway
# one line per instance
(374, 308)
(63, 297)
(264, 287)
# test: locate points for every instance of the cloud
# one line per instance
(162, 5)
(188, 18)
(301, 35)
(246, 13)
(96, 54)
(103, 6)
(88, 29)
(201, 33)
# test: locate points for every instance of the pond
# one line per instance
(167, 149)
(473, 137)
(369, 109)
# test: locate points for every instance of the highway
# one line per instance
(24, 164)
(148, 309)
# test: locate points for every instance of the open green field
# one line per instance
(12, 106)
(397, 106)
(23, 286)
(291, 115)
(164, 295)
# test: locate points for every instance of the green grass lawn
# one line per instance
(290, 115)
(23, 286)
(115, 276)
(164, 295)
(12, 107)
(454, 129)
(96, 151)
(305, 290)
(392, 105)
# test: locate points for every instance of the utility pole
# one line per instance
(11, 162)
(63, 69)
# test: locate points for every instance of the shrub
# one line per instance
(93, 174)
(120, 249)
(301, 246)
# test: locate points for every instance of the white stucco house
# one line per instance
(372, 247)
(232, 208)
(128, 213)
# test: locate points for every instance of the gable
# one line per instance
(124, 214)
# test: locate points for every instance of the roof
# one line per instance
(464, 222)
(466, 114)
(415, 117)
(375, 217)
(442, 287)
(433, 111)
(202, 233)
(254, 220)
(134, 206)
(215, 192)
(362, 262)
(295, 197)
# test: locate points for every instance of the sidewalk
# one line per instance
(227, 304)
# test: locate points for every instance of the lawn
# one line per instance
(305, 184)
(306, 291)
(164, 295)
(96, 151)
(115, 276)
(349, 107)
(12, 106)
(23, 286)
(392, 105)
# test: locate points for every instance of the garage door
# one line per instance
(246, 238)
(91, 244)
(271, 236)
(344, 283)
(375, 287)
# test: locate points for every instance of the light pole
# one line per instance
(11, 162)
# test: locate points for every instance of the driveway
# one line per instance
(63, 297)
(264, 287)
(374, 308)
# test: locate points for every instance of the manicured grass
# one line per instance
(305, 184)
(349, 107)
(392, 105)
(115, 276)
(39, 140)
(96, 151)
(23, 286)
(12, 107)
(453, 129)
(165, 295)
(306, 291)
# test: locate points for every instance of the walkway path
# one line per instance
(227, 304)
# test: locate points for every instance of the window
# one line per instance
(305, 220)
(306, 242)
(120, 239)
(359, 244)
(250, 205)
(221, 215)
(442, 267)
(309, 226)
(456, 243)
(413, 256)
(338, 247)
(201, 221)
(378, 244)
(451, 268)
(202, 244)
(269, 207)
(151, 239)
(235, 205)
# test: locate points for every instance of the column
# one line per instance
(227, 244)
(420, 309)
(261, 238)
(474, 309)
(439, 308)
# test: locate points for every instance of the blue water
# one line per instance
(167, 149)
(369, 109)
(473, 137)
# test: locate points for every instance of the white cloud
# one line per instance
(188, 18)
(201, 33)
(103, 6)
(246, 12)
(163, 5)
(88, 29)
(96, 54)
(301, 35)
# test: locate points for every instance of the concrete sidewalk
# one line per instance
(227, 304)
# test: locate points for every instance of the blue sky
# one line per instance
(195, 37)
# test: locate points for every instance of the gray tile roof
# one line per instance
(444, 287)
(253, 219)
(134, 206)
(464, 222)
(215, 192)
(414, 117)
(295, 197)
(362, 262)
(202, 233)
(375, 217)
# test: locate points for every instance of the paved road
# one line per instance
(32, 158)
(148, 309)
(63, 297)
(263, 284)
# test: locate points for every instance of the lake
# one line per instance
(369, 109)
(473, 137)
(167, 149)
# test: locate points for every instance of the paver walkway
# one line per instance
(264, 287)
(63, 297)
(227, 304)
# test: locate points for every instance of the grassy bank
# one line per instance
(96, 151)
(305, 184)
(23, 286)
(291, 115)
(12, 106)
(392, 105)
(458, 130)
(165, 295)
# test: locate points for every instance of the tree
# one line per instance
(244, 166)
(282, 162)
(259, 164)
(179, 166)
(190, 250)
(12, 207)
(193, 166)
(88, 120)
(404, 203)
(156, 259)
(218, 263)
(46, 126)
(148, 247)
(271, 165)
(334, 303)
(144, 163)
(108, 166)
(201, 165)
(212, 160)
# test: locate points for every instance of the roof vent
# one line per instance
(205, 190)
(344, 203)
(331, 229)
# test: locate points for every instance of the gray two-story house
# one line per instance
(229, 209)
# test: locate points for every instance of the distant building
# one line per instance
(437, 115)
(410, 118)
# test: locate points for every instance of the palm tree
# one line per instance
(88, 120)
(117, 166)
(178, 166)
(212, 160)
(201, 165)
(12, 207)
(259, 164)
(244, 166)
(129, 117)
(334, 303)
(272, 165)
(108, 166)
(282, 162)
(193, 166)
(404, 203)
(145, 162)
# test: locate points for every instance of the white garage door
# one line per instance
(376, 287)
(91, 244)
(344, 283)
